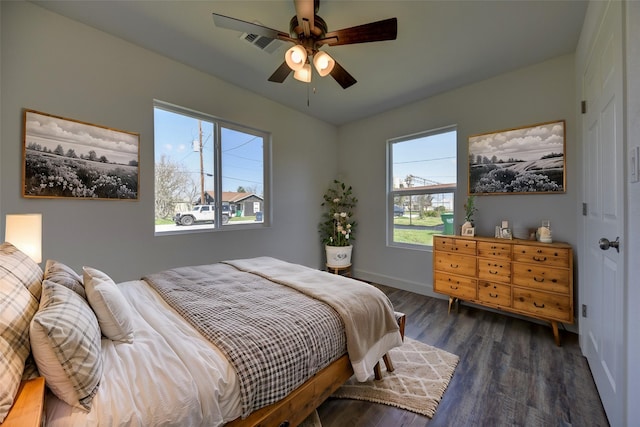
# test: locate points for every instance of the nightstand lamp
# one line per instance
(24, 231)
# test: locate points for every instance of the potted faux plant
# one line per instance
(469, 210)
(337, 226)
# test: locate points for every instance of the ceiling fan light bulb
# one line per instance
(296, 57)
(324, 63)
(303, 74)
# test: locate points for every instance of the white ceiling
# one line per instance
(441, 45)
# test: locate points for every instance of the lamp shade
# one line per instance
(324, 63)
(296, 57)
(24, 231)
(303, 74)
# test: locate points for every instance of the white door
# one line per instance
(602, 285)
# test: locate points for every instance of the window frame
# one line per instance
(412, 191)
(218, 125)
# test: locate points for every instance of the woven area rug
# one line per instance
(421, 376)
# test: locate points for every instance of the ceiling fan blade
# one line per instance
(281, 73)
(305, 12)
(230, 23)
(386, 29)
(341, 75)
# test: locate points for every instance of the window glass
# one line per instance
(422, 186)
(243, 169)
(197, 157)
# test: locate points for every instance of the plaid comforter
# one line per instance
(275, 337)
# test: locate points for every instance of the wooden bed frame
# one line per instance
(293, 409)
(288, 412)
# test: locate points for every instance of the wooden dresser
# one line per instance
(519, 276)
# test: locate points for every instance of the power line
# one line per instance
(425, 160)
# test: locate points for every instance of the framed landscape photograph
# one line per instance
(524, 160)
(65, 158)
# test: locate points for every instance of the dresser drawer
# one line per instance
(494, 293)
(549, 256)
(456, 286)
(542, 278)
(543, 304)
(494, 250)
(463, 265)
(451, 244)
(494, 270)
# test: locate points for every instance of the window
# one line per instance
(197, 158)
(421, 187)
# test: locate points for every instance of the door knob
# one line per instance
(605, 244)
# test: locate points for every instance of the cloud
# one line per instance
(70, 132)
(522, 144)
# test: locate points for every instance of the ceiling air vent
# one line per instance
(267, 44)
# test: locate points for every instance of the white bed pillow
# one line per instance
(64, 275)
(111, 308)
(20, 288)
(65, 342)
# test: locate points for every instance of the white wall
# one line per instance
(61, 67)
(540, 93)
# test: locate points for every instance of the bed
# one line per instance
(150, 352)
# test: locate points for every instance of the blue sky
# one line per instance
(432, 157)
(242, 153)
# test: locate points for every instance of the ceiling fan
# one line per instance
(309, 34)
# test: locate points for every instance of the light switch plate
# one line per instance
(634, 164)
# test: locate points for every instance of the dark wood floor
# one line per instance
(511, 373)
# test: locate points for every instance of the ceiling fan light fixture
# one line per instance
(296, 57)
(303, 74)
(324, 63)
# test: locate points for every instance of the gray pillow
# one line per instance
(65, 341)
(64, 275)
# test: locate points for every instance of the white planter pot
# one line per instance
(338, 256)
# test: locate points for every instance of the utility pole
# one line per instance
(202, 200)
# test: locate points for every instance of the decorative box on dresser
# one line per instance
(519, 276)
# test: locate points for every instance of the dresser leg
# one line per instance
(556, 334)
(452, 301)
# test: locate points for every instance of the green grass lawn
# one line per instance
(428, 221)
(417, 236)
(164, 221)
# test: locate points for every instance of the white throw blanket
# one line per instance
(367, 313)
